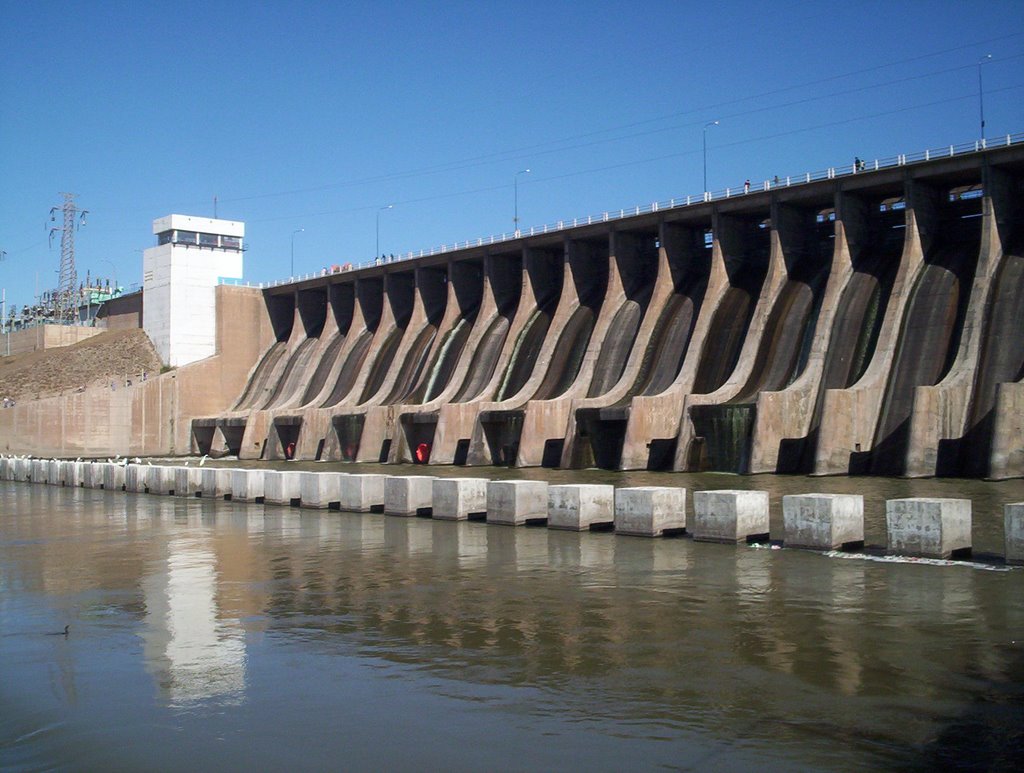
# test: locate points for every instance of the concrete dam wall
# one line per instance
(869, 323)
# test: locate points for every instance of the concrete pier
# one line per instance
(930, 528)
(578, 507)
(39, 471)
(459, 499)
(1013, 525)
(517, 502)
(247, 486)
(216, 483)
(188, 481)
(362, 493)
(114, 476)
(823, 521)
(53, 472)
(650, 511)
(282, 488)
(408, 495)
(729, 515)
(321, 490)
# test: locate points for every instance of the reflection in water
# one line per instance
(192, 653)
(562, 649)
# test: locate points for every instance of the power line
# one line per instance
(637, 162)
(516, 153)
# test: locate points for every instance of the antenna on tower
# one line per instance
(65, 300)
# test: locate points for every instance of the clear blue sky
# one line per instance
(316, 115)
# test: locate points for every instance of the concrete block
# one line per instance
(321, 490)
(282, 488)
(578, 507)
(1013, 525)
(71, 474)
(135, 478)
(648, 511)
(157, 480)
(517, 502)
(931, 528)
(53, 472)
(247, 486)
(458, 499)
(115, 477)
(362, 493)
(92, 474)
(823, 521)
(729, 515)
(188, 481)
(216, 483)
(408, 495)
(25, 469)
(40, 469)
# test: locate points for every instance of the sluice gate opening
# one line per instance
(950, 228)
(688, 248)
(874, 225)
(1002, 350)
(807, 243)
(589, 273)
(745, 244)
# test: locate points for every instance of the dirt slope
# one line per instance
(99, 360)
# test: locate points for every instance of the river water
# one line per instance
(216, 635)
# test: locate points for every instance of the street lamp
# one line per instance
(377, 253)
(515, 184)
(292, 269)
(708, 125)
(981, 101)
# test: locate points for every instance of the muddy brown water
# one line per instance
(218, 635)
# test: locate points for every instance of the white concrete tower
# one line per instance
(179, 275)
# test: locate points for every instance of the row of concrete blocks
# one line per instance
(937, 528)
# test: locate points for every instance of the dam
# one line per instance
(861, 323)
(861, 320)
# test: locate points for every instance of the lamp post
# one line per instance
(981, 93)
(515, 185)
(377, 253)
(708, 125)
(292, 267)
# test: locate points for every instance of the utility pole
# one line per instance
(3, 317)
(66, 304)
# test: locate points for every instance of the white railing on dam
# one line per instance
(832, 172)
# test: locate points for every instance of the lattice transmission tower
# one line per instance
(66, 300)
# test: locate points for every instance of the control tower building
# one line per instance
(179, 276)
